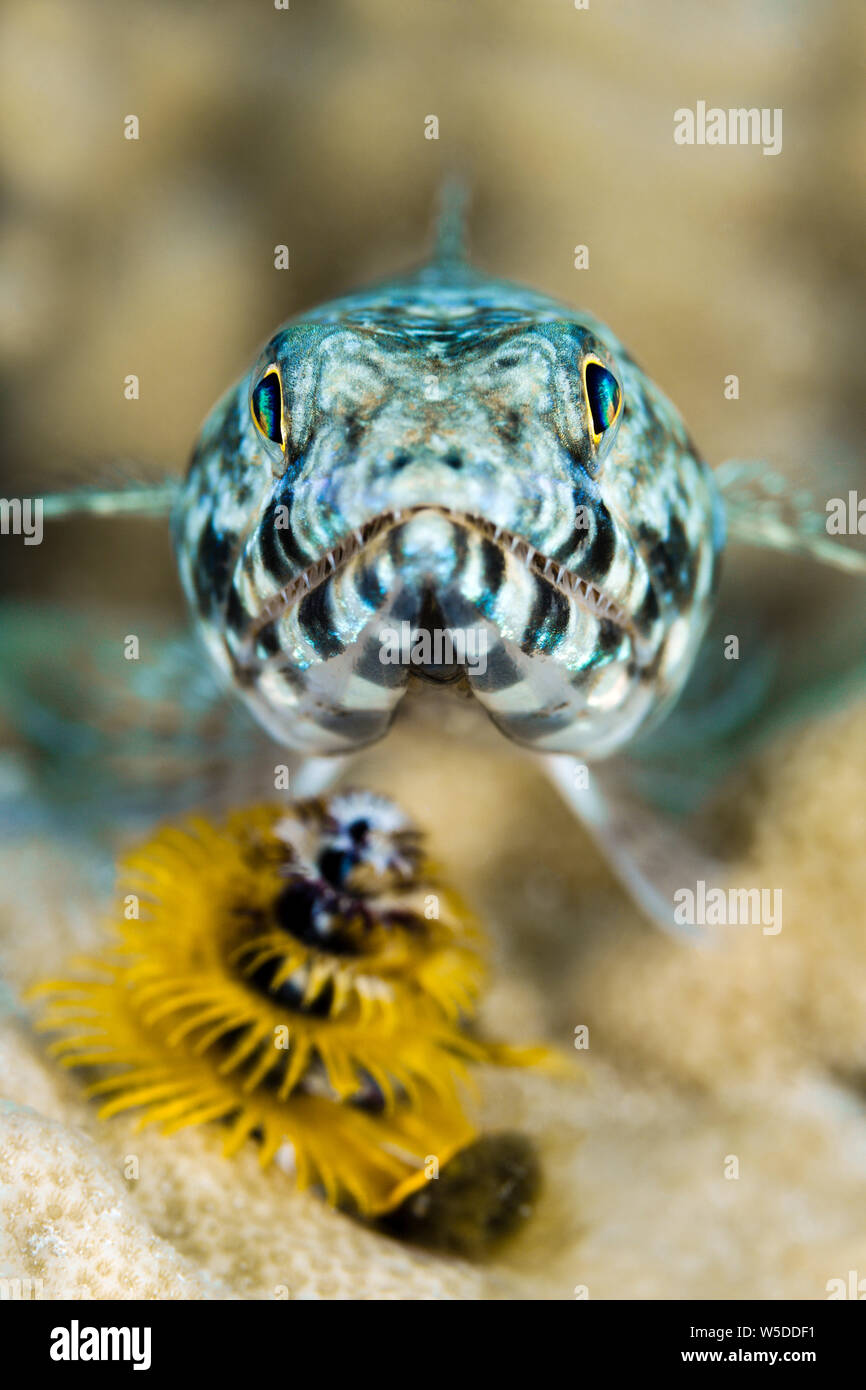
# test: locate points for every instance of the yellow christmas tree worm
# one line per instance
(301, 975)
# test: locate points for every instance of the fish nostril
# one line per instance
(453, 460)
(400, 461)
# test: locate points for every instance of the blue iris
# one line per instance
(268, 407)
(603, 394)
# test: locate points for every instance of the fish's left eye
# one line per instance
(267, 406)
(604, 397)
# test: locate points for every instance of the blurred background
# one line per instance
(306, 127)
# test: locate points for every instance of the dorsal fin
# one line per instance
(450, 243)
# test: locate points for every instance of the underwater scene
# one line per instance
(432, 661)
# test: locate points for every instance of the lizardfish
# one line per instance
(451, 453)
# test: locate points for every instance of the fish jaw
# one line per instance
(554, 660)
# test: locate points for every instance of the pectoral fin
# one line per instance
(765, 509)
(652, 855)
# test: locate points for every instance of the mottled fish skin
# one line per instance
(441, 468)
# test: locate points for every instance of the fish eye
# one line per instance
(603, 395)
(267, 406)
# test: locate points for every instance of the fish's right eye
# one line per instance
(267, 407)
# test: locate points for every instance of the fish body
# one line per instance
(454, 453)
(448, 455)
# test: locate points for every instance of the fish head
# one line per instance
(449, 477)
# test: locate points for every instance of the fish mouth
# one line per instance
(569, 583)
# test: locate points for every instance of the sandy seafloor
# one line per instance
(756, 1050)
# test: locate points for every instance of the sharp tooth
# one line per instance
(398, 515)
(530, 556)
(547, 565)
(560, 574)
(332, 562)
(307, 580)
(497, 532)
(358, 537)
